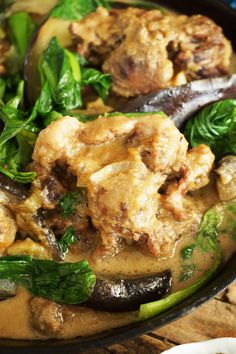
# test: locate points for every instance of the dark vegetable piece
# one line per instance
(154, 308)
(181, 102)
(127, 295)
(7, 289)
(46, 234)
(66, 283)
(206, 240)
(215, 126)
(16, 189)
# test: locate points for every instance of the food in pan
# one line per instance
(112, 210)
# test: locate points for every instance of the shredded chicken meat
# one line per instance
(149, 50)
(133, 170)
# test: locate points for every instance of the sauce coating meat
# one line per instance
(137, 172)
(149, 50)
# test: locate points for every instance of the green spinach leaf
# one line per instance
(21, 27)
(69, 202)
(187, 252)
(214, 126)
(76, 9)
(154, 308)
(60, 77)
(66, 283)
(20, 177)
(69, 238)
(99, 81)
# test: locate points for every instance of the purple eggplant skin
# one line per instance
(182, 102)
(46, 234)
(128, 294)
(17, 190)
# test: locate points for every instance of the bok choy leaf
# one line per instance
(214, 126)
(66, 283)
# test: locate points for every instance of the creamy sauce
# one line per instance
(79, 321)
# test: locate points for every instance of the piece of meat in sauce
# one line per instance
(147, 50)
(7, 228)
(226, 178)
(123, 162)
(46, 316)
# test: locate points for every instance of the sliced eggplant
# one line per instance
(181, 102)
(51, 27)
(128, 294)
(17, 190)
(7, 289)
(46, 235)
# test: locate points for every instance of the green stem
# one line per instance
(155, 308)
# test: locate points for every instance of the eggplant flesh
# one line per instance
(128, 294)
(182, 102)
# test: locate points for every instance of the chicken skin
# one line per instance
(127, 165)
(147, 50)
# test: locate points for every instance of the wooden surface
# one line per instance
(214, 319)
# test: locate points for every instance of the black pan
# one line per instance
(225, 17)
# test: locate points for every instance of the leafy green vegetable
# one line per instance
(69, 238)
(228, 225)
(66, 283)
(20, 177)
(69, 202)
(154, 308)
(99, 81)
(76, 9)
(206, 238)
(60, 75)
(21, 27)
(16, 139)
(188, 271)
(214, 126)
(2, 88)
(187, 252)
(138, 3)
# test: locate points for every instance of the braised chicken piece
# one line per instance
(226, 180)
(147, 50)
(124, 163)
(7, 228)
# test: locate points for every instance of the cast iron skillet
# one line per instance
(225, 17)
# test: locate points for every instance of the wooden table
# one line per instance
(214, 319)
